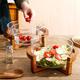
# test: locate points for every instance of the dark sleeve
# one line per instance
(18, 3)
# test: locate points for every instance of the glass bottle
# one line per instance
(9, 52)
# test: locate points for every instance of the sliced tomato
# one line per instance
(52, 52)
(47, 54)
(58, 56)
(55, 46)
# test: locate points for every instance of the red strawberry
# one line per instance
(53, 52)
(20, 37)
(24, 38)
(28, 38)
(58, 56)
(46, 54)
(27, 19)
(55, 46)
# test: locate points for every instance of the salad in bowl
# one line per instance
(53, 55)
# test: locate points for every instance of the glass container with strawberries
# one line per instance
(24, 38)
(18, 37)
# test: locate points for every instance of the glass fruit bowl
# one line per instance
(21, 37)
(55, 52)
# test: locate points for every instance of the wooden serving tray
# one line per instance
(67, 70)
(11, 74)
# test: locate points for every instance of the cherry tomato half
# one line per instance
(58, 56)
(47, 54)
(52, 52)
(55, 46)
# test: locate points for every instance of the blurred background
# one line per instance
(61, 17)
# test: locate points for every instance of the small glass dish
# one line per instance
(23, 39)
(20, 37)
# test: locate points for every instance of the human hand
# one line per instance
(27, 11)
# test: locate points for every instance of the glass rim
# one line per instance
(14, 22)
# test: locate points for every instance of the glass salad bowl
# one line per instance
(54, 53)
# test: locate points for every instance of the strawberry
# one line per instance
(24, 38)
(27, 19)
(28, 38)
(20, 37)
(58, 56)
(55, 46)
(46, 54)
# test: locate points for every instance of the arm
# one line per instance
(19, 2)
(25, 7)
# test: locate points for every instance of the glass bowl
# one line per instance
(54, 53)
(21, 37)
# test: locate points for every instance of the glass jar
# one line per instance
(13, 30)
(9, 52)
(6, 50)
(3, 42)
